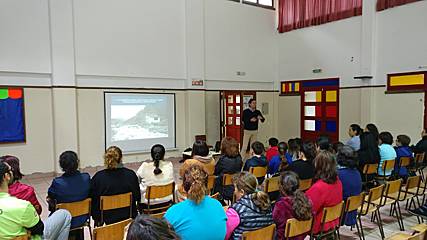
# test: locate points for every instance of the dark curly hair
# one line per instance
(289, 186)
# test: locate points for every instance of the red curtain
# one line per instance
(294, 14)
(384, 4)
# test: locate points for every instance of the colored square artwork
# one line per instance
(12, 123)
(331, 126)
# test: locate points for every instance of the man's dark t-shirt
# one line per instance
(247, 115)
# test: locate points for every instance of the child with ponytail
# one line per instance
(292, 204)
(252, 209)
(156, 173)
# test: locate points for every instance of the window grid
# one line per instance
(260, 3)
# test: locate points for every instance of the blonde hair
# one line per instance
(195, 181)
(112, 157)
(248, 183)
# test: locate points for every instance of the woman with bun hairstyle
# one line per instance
(156, 173)
(114, 179)
(252, 209)
(199, 216)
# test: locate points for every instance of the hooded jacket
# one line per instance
(251, 216)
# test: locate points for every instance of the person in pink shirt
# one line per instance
(273, 150)
(18, 189)
(326, 190)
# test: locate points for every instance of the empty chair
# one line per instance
(392, 195)
(371, 205)
(115, 231)
(353, 203)
(265, 233)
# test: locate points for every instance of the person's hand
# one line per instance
(254, 119)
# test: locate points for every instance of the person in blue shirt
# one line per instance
(354, 132)
(280, 162)
(387, 152)
(402, 150)
(72, 186)
(350, 178)
(199, 216)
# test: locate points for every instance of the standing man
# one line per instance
(250, 119)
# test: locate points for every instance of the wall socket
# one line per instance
(240, 73)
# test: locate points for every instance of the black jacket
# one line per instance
(226, 165)
(303, 169)
(421, 147)
(111, 182)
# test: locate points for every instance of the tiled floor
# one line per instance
(41, 183)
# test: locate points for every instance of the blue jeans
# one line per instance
(57, 226)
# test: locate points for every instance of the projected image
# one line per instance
(138, 117)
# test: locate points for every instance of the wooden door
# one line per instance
(233, 104)
(320, 109)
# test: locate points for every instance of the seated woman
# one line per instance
(354, 132)
(303, 167)
(402, 150)
(156, 173)
(114, 179)
(145, 227)
(72, 186)
(292, 204)
(229, 162)
(199, 155)
(387, 152)
(350, 178)
(252, 209)
(199, 216)
(18, 189)
(326, 191)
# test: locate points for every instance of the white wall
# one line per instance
(401, 34)
(333, 47)
(24, 38)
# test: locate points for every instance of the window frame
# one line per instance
(257, 4)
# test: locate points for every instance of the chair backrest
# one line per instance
(211, 182)
(419, 157)
(305, 184)
(295, 228)
(76, 209)
(393, 187)
(160, 191)
(388, 165)
(272, 184)
(114, 202)
(332, 213)
(22, 237)
(374, 194)
(258, 171)
(114, 231)
(265, 233)
(227, 179)
(371, 168)
(413, 182)
(354, 202)
(404, 161)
